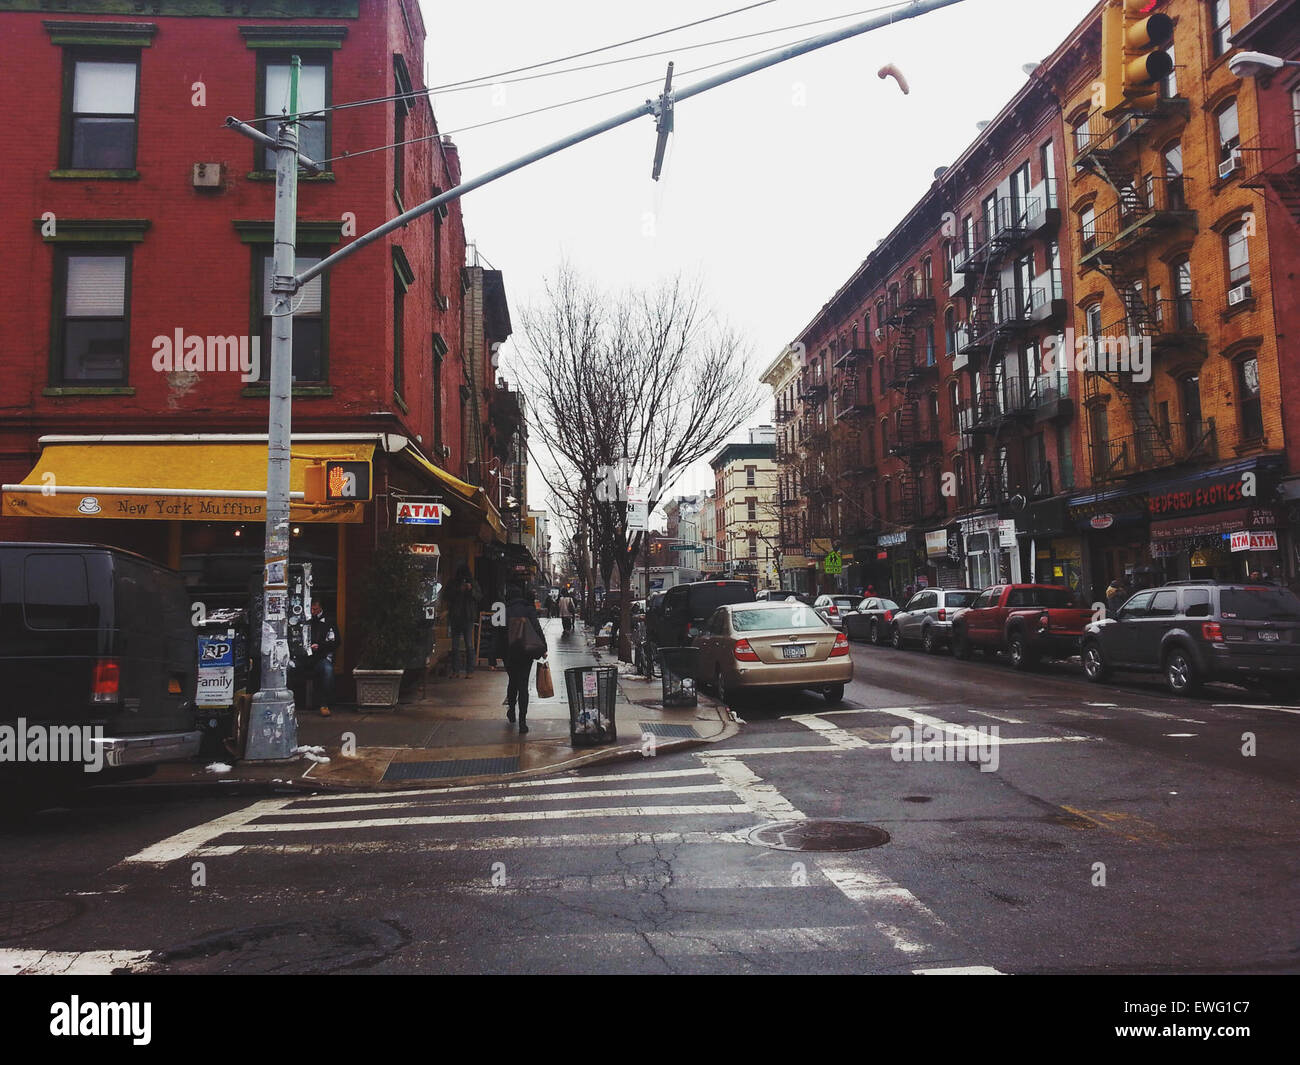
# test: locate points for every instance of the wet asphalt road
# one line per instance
(1120, 830)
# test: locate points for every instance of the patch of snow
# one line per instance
(218, 767)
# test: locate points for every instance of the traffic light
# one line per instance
(1134, 62)
(336, 481)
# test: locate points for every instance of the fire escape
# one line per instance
(1149, 211)
(853, 402)
(911, 366)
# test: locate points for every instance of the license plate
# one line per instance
(794, 652)
(1270, 637)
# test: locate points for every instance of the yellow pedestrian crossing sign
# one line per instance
(834, 564)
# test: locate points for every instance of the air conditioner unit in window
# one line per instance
(880, 334)
(1230, 166)
(1239, 293)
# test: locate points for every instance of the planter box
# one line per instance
(377, 688)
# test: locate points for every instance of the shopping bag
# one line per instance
(545, 686)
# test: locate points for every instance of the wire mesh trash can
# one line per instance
(591, 691)
(679, 666)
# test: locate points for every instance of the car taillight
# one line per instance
(889, 615)
(1044, 620)
(1212, 631)
(841, 646)
(831, 610)
(745, 653)
(943, 613)
(104, 681)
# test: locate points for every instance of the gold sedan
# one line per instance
(770, 647)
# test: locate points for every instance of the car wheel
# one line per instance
(961, 648)
(1180, 673)
(928, 643)
(1018, 651)
(875, 632)
(720, 688)
(834, 694)
(1094, 665)
(895, 637)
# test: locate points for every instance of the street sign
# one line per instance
(834, 564)
(637, 517)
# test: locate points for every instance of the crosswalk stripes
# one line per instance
(674, 836)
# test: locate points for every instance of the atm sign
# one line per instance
(420, 513)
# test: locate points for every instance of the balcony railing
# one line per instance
(852, 356)
(853, 397)
(1153, 448)
(1141, 214)
(814, 387)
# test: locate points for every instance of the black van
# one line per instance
(687, 607)
(95, 636)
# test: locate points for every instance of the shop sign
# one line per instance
(1163, 549)
(216, 687)
(420, 513)
(1254, 541)
(892, 539)
(1211, 495)
(956, 550)
(882, 556)
(1006, 533)
(425, 549)
(1102, 521)
(936, 543)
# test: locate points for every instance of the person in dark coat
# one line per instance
(462, 613)
(322, 638)
(519, 664)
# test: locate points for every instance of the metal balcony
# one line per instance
(854, 397)
(854, 355)
(1155, 448)
(1142, 216)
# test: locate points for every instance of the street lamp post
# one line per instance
(1258, 64)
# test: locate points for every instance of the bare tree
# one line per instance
(628, 391)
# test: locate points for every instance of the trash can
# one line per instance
(591, 691)
(679, 666)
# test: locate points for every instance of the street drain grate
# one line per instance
(25, 916)
(818, 836)
(465, 767)
(684, 732)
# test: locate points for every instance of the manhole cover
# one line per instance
(818, 836)
(26, 916)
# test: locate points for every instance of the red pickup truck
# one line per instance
(1027, 621)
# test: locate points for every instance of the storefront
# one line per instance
(945, 558)
(1112, 527)
(992, 552)
(896, 555)
(1051, 550)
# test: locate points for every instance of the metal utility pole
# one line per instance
(273, 726)
(273, 729)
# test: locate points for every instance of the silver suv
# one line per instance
(927, 617)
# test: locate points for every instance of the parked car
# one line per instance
(870, 621)
(781, 595)
(771, 647)
(832, 608)
(1200, 631)
(928, 616)
(92, 636)
(1027, 621)
(687, 607)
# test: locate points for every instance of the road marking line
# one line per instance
(762, 799)
(960, 970)
(709, 881)
(833, 733)
(1255, 706)
(567, 779)
(67, 963)
(434, 798)
(480, 843)
(750, 942)
(474, 819)
(889, 745)
(870, 710)
(735, 751)
(874, 892)
(179, 845)
(998, 717)
(966, 732)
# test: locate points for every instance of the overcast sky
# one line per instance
(776, 187)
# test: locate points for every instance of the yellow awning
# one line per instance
(470, 493)
(171, 481)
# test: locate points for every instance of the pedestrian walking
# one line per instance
(525, 643)
(322, 638)
(567, 610)
(1116, 595)
(462, 614)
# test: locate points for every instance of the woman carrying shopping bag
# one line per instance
(525, 643)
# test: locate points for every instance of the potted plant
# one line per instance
(391, 616)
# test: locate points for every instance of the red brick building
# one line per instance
(140, 224)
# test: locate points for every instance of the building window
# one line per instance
(1054, 261)
(1252, 413)
(1047, 159)
(1238, 253)
(100, 111)
(92, 325)
(753, 545)
(1082, 134)
(1229, 129)
(399, 335)
(1175, 200)
(400, 110)
(954, 405)
(929, 343)
(1169, 87)
(1088, 227)
(309, 362)
(950, 330)
(1220, 26)
(1092, 316)
(313, 95)
(1181, 271)
(751, 509)
(751, 476)
(947, 262)
(1189, 394)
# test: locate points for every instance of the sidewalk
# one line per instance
(453, 731)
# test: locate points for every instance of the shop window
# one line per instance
(92, 317)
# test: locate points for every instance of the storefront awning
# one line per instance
(1224, 522)
(468, 493)
(182, 480)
